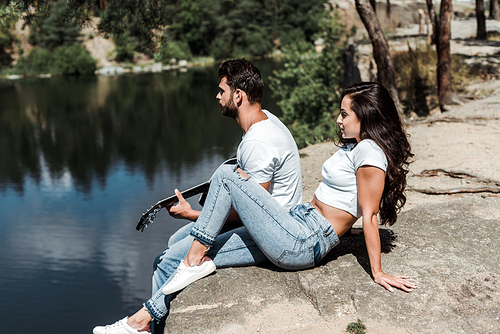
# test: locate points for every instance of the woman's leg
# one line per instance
(277, 232)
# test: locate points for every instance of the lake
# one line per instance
(80, 160)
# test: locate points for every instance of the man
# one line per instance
(267, 153)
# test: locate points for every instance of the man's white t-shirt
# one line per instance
(268, 152)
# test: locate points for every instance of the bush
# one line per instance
(357, 327)
(308, 88)
(66, 60)
(124, 47)
(38, 61)
(175, 49)
(416, 78)
(73, 60)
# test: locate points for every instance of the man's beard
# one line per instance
(230, 109)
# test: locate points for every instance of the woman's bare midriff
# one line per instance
(340, 220)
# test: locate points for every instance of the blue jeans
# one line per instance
(303, 235)
(295, 239)
(232, 248)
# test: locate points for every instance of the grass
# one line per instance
(417, 79)
(357, 327)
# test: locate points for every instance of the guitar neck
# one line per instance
(200, 188)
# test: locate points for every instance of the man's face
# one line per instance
(226, 99)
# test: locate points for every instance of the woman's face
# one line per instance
(348, 121)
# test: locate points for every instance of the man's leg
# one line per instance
(233, 248)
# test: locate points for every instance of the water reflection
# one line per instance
(83, 127)
(80, 160)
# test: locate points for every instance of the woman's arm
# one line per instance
(370, 182)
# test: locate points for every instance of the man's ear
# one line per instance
(238, 93)
(239, 96)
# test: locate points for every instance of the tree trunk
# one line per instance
(444, 54)
(388, 10)
(481, 20)
(374, 5)
(385, 67)
(434, 23)
(494, 10)
(102, 4)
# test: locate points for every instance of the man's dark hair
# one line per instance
(241, 74)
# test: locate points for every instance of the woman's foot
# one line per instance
(186, 275)
(121, 327)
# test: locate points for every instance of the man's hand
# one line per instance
(182, 209)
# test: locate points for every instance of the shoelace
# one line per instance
(177, 275)
(116, 324)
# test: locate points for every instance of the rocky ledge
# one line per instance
(446, 239)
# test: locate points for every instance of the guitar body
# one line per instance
(149, 216)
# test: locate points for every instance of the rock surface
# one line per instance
(446, 239)
(447, 244)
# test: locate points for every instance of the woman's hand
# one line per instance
(400, 282)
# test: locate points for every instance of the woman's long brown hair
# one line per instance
(380, 122)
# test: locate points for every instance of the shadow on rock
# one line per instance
(356, 246)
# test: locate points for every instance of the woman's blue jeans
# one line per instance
(294, 239)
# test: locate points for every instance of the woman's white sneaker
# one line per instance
(185, 275)
(120, 327)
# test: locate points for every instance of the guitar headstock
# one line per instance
(148, 218)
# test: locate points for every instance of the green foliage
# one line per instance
(142, 20)
(73, 60)
(308, 88)
(38, 61)
(175, 49)
(124, 47)
(357, 327)
(226, 28)
(298, 20)
(65, 60)
(54, 26)
(9, 13)
(8, 18)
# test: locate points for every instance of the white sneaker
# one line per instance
(186, 275)
(120, 327)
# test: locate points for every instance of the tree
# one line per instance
(441, 38)
(385, 67)
(481, 20)
(54, 26)
(226, 28)
(8, 18)
(308, 87)
(142, 20)
(494, 10)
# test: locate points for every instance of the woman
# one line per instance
(365, 177)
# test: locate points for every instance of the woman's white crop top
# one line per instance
(338, 188)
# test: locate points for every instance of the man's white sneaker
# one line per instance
(186, 275)
(120, 327)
